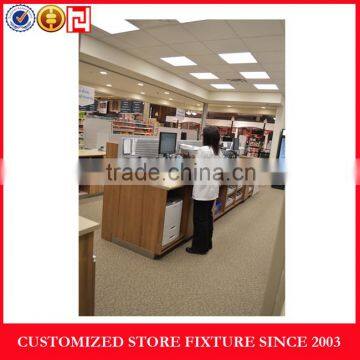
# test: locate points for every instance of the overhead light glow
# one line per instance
(109, 19)
(140, 84)
(103, 72)
(255, 74)
(178, 61)
(142, 93)
(266, 86)
(229, 106)
(171, 99)
(204, 75)
(238, 58)
(108, 85)
(166, 93)
(222, 86)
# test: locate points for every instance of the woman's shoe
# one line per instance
(192, 251)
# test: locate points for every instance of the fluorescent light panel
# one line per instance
(204, 75)
(238, 58)
(178, 61)
(255, 74)
(222, 86)
(266, 86)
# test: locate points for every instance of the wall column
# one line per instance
(279, 125)
(203, 117)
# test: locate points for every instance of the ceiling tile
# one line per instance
(172, 34)
(247, 28)
(265, 43)
(153, 51)
(275, 67)
(98, 33)
(207, 59)
(218, 68)
(210, 30)
(270, 57)
(192, 48)
(148, 24)
(227, 45)
(137, 38)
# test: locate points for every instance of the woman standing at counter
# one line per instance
(204, 195)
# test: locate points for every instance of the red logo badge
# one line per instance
(78, 19)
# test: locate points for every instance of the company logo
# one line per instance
(78, 19)
(51, 18)
(20, 18)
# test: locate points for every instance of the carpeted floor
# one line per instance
(229, 280)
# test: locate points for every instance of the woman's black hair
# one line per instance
(211, 137)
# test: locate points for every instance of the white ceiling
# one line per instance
(202, 41)
(126, 87)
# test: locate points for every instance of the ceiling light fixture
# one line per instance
(178, 61)
(222, 86)
(238, 58)
(140, 84)
(255, 74)
(166, 93)
(108, 85)
(108, 18)
(204, 75)
(142, 93)
(266, 86)
(171, 99)
(103, 72)
(229, 106)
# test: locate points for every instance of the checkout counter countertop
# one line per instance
(91, 153)
(86, 226)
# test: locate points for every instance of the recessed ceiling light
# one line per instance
(178, 61)
(140, 84)
(222, 86)
(255, 74)
(103, 72)
(108, 85)
(166, 93)
(142, 93)
(238, 58)
(229, 106)
(266, 86)
(171, 99)
(204, 75)
(107, 18)
(263, 107)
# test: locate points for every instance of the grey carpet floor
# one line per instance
(229, 280)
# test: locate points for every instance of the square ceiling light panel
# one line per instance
(108, 18)
(238, 58)
(222, 86)
(266, 86)
(178, 61)
(204, 75)
(255, 74)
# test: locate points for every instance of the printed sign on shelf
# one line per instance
(180, 114)
(86, 95)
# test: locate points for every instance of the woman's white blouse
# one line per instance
(204, 189)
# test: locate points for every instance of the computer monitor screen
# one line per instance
(227, 139)
(235, 144)
(167, 143)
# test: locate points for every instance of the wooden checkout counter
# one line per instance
(134, 216)
(91, 190)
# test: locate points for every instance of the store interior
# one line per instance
(170, 76)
